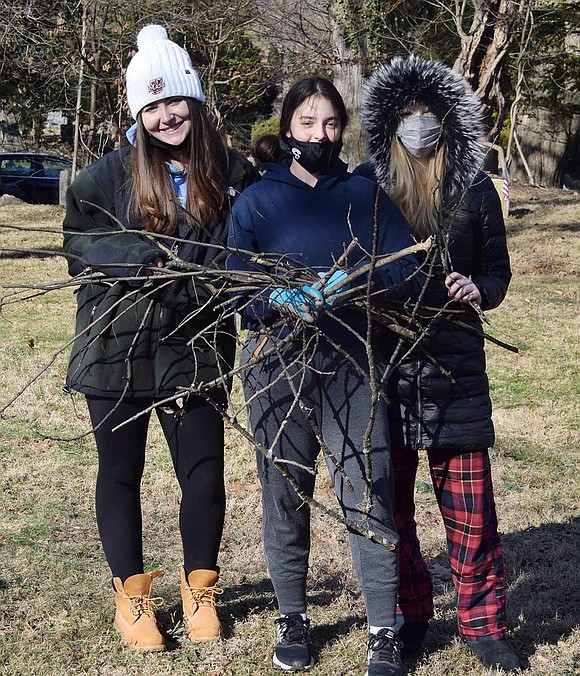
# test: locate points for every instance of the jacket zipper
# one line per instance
(91, 318)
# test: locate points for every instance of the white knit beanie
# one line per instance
(160, 69)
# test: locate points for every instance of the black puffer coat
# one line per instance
(440, 392)
(136, 338)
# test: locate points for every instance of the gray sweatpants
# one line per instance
(335, 404)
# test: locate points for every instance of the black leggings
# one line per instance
(196, 443)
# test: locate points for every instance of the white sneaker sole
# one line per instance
(280, 665)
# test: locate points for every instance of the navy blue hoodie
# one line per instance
(310, 227)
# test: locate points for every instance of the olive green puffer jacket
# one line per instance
(142, 338)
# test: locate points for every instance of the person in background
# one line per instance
(424, 127)
(140, 338)
(305, 363)
(266, 149)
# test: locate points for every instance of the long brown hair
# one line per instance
(152, 193)
(417, 188)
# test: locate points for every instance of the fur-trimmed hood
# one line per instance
(394, 87)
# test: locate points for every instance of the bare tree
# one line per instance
(487, 29)
(71, 55)
(521, 67)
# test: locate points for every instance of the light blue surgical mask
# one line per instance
(419, 134)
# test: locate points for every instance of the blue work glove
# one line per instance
(304, 303)
(335, 278)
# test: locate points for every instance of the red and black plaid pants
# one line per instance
(464, 493)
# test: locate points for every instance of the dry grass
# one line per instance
(55, 598)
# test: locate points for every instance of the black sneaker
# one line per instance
(384, 656)
(293, 643)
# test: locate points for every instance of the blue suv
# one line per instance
(32, 177)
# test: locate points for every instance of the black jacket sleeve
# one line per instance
(491, 272)
(92, 236)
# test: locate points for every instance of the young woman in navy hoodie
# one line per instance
(306, 365)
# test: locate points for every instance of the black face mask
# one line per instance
(154, 141)
(314, 157)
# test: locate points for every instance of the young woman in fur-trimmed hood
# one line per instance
(424, 127)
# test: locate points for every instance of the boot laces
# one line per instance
(204, 596)
(384, 647)
(144, 605)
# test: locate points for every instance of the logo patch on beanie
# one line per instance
(157, 85)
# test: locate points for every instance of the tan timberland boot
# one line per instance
(135, 616)
(198, 592)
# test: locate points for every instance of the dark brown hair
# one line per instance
(266, 149)
(153, 196)
(304, 89)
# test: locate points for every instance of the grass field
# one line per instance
(55, 593)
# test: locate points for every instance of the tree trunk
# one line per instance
(78, 106)
(484, 47)
(348, 75)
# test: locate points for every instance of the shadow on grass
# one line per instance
(519, 213)
(48, 252)
(236, 604)
(543, 589)
(543, 581)
(531, 212)
(242, 600)
(515, 228)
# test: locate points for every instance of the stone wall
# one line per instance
(551, 148)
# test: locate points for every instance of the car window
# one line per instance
(37, 166)
(17, 166)
(53, 168)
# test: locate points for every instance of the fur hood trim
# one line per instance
(394, 87)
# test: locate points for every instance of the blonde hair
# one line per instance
(417, 188)
(153, 196)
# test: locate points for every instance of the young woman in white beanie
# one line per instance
(139, 338)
